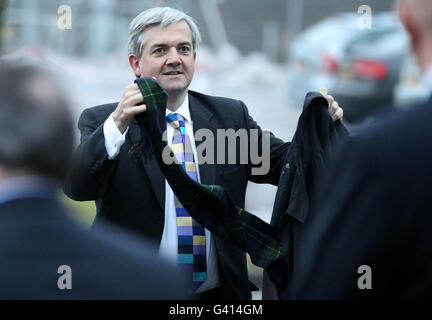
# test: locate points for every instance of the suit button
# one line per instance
(287, 166)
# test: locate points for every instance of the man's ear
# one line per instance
(408, 21)
(194, 55)
(134, 63)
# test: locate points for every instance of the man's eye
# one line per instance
(184, 49)
(158, 50)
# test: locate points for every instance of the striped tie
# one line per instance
(191, 235)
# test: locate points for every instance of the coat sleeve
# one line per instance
(90, 168)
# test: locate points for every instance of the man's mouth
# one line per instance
(173, 73)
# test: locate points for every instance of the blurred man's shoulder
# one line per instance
(413, 121)
(401, 132)
(135, 261)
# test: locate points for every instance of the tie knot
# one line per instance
(175, 120)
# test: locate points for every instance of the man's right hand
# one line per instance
(127, 108)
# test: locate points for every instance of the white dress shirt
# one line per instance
(426, 79)
(169, 242)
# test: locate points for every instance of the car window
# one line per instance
(337, 27)
(387, 39)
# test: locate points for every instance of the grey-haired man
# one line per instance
(162, 44)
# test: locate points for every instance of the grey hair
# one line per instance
(160, 16)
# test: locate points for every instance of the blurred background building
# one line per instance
(307, 39)
(265, 53)
(99, 25)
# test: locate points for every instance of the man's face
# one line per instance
(168, 56)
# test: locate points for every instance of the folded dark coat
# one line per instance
(314, 143)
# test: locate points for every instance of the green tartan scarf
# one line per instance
(210, 205)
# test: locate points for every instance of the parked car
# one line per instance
(361, 66)
(370, 69)
(313, 55)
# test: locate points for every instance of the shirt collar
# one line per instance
(26, 186)
(426, 79)
(183, 110)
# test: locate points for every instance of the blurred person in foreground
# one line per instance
(163, 44)
(373, 236)
(44, 253)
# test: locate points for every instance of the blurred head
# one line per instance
(36, 131)
(162, 44)
(416, 16)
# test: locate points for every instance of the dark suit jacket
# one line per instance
(133, 195)
(375, 210)
(37, 236)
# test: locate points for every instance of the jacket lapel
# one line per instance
(152, 169)
(157, 180)
(201, 119)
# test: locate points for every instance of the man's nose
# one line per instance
(173, 57)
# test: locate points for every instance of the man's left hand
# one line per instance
(335, 111)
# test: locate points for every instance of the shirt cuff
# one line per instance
(114, 139)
